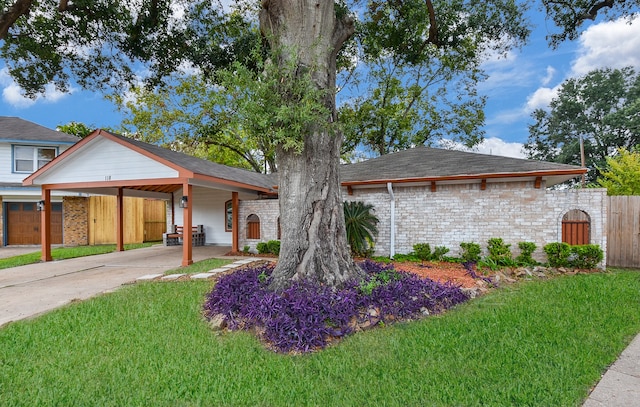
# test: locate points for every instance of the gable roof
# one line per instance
(425, 164)
(186, 166)
(16, 129)
(199, 165)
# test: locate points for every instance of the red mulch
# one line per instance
(439, 271)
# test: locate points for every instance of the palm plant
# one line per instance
(361, 225)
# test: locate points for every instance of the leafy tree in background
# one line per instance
(103, 43)
(621, 176)
(75, 128)
(601, 108)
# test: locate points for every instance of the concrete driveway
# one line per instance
(31, 290)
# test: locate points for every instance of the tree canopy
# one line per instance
(621, 176)
(601, 108)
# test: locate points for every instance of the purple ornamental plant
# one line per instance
(307, 316)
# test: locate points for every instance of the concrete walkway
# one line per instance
(28, 291)
(31, 290)
(620, 385)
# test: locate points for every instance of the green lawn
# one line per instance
(60, 253)
(542, 343)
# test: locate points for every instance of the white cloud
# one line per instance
(540, 99)
(491, 146)
(611, 44)
(12, 93)
(551, 71)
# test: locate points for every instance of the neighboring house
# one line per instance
(24, 148)
(422, 195)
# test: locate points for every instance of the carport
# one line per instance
(104, 163)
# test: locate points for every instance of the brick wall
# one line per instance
(456, 213)
(75, 221)
(268, 212)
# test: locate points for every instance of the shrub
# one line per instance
(307, 316)
(273, 246)
(558, 254)
(470, 252)
(422, 251)
(526, 249)
(439, 253)
(499, 252)
(262, 248)
(270, 247)
(586, 256)
(361, 227)
(246, 249)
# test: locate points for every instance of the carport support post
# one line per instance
(187, 237)
(45, 221)
(235, 231)
(120, 222)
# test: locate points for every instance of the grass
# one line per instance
(61, 253)
(202, 266)
(538, 343)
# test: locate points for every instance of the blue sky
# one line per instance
(526, 79)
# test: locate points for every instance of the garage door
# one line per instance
(23, 223)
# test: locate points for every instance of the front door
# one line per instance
(23, 223)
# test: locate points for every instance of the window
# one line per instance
(228, 211)
(29, 159)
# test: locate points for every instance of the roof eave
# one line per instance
(569, 173)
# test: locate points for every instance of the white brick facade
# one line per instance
(455, 213)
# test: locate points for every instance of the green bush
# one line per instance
(499, 251)
(422, 251)
(525, 258)
(270, 247)
(274, 247)
(439, 253)
(262, 248)
(586, 256)
(558, 254)
(470, 251)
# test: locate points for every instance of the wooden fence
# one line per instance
(623, 234)
(144, 220)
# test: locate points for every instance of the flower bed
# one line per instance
(306, 316)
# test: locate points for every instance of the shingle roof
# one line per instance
(429, 163)
(14, 128)
(203, 167)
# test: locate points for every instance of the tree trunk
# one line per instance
(313, 236)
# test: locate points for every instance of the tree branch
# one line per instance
(13, 13)
(593, 11)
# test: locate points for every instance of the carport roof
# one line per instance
(195, 170)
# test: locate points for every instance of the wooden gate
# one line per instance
(576, 228)
(103, 218)
(155, 220)
(623, 237)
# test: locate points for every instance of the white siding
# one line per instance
(208, 210)
(6, 160)
(105, 160)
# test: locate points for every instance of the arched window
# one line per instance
(576, 227)
(253, 227)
